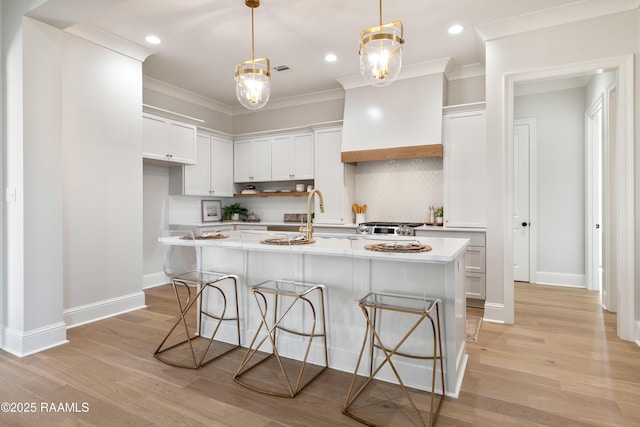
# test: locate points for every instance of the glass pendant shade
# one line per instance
(253, 77)
(253, 83)
(381, 53)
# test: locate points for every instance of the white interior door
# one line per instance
(521, 200)
(594, 124)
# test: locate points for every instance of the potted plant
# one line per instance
(234, 211)
(438, 213)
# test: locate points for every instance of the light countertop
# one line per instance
(444, 249)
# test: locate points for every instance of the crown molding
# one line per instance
(110, 41)
(185, 95)
(466, 71)
(554, 16)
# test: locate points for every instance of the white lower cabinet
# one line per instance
(250, 227)
(198, 229)
(474, 256)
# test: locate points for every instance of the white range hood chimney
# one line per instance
(402, 120)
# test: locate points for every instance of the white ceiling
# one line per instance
(203, 40)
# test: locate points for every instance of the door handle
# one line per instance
(597, 226)
(524, 224)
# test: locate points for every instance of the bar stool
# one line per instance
(193, 349)
(420, 308)
(272, 327)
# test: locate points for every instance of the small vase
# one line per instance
(235, 216)
(439, 220)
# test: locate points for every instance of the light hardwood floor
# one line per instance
(560, 365)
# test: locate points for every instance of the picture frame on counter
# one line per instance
(211, 210)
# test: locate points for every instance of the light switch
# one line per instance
(11, 194)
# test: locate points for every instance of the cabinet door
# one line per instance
(242, 161)
(261, 159)
(302, 160)
(221, 167)
(464, 169)
(197, 177)
(155, 140)
(182, 138)
(332, 178)
(475, 285)
(281, 158)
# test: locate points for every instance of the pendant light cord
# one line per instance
(252, 37)
(381, 13)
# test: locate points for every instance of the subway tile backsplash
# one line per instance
(399, 190)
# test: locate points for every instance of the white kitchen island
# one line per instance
(349, 271)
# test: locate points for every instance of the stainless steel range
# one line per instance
(389, 228)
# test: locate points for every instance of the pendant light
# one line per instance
(381, 52)
(253, 84)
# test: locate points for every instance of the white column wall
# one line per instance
(72, 144)
(102, 146)
(34, 221)
(578, 42)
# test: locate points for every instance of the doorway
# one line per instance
(594, 126)
(620, 199)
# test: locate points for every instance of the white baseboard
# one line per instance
(560, 279)
(77, 316)
(493, 312)
(154, 279)
(22, 344)
(637, 328)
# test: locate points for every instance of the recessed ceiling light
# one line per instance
(331, 58)
(152, 39)
(456, 29)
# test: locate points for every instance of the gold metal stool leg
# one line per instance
(197, 355)
(375, 342)
(272, 328)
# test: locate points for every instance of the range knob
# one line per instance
(363, 229)
(403, 230)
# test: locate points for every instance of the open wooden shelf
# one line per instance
(278, 194)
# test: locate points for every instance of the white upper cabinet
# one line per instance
(292, 157)
(168, 140)
(464, 169)
(334, 179)
(213, 173)
(252, 160)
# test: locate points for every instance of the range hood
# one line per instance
(402, 120)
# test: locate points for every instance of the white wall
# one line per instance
(102, 142)
(588, 40)
(155, 218)
(211, 119)
(288, 117)
(560, 162)
(466, 90)
(33, 241)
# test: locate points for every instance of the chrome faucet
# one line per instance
(308, 229)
